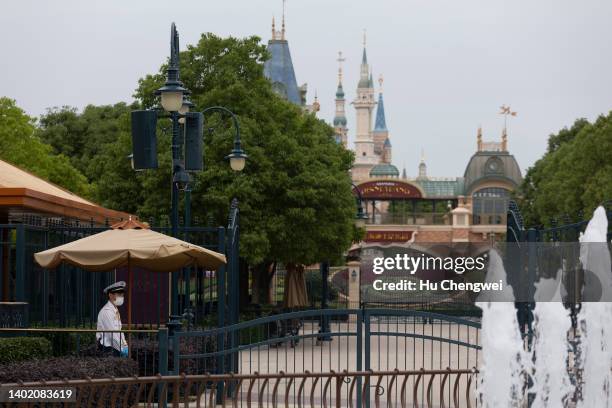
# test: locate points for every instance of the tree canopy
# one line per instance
(295, 194)
(573, 177)
(21, 146)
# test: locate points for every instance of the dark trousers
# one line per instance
(108, 351)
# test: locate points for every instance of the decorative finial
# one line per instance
(506, 111)
(340, 61)
(283, 26)
(364, 38)
(316, 106)
(422, 155)
(380, 83)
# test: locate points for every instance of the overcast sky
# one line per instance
(448, 65)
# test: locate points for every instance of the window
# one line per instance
(489, 205)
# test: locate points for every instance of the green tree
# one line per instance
(574, 176)
(20, 145)
(295, 195)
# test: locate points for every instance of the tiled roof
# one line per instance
(279, 70)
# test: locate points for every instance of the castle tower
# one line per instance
(279, 68)
(364, 104)
(340, 117)
(380, 133)
(386, 153)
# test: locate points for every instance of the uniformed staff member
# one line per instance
(109, 319)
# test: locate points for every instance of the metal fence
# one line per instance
(355, 339)
(149, 348)
(71, 297)
(396, 388)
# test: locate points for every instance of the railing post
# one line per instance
(162, 337)
(221, 304)
(359, 351)
(162, 364)
(366, 320)
(20, 264)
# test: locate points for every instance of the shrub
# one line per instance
(69, 343)
(70, 368)
(16, 349)
(314, 284)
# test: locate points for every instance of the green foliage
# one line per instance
(574, 176)
(314, 283)
(21, 146)
(66, 343)
(295, 197)
(15, 349)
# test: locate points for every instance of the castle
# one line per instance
(468, 208)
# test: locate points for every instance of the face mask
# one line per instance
(119, 301)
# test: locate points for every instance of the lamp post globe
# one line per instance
(171, 97)
(237, 160)
(185, 107)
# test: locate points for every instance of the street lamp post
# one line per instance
(360, 221)
(174, 100)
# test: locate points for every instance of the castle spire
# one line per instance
(283, 23)
(340, 117)
(364, 77)
(422, 167)
(381, 122)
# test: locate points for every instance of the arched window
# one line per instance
(489, 205)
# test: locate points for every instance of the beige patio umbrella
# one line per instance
(130, 243)
(296, 294)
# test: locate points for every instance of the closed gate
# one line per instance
(358, 339)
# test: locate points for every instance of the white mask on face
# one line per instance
(119, 301)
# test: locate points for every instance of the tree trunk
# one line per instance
(260, 284)
(295, 294)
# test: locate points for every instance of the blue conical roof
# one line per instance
(279, 70)
(381, 123)
(340, 91)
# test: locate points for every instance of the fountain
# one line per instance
(507, 365)
(503, 357)
(595, 347)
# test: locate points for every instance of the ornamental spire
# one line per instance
(283, 23)
(381, 122)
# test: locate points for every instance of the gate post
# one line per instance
(354, 295)
(162, 364)
(20, 264)
(359, 351)
(366, 321)
(324, 322)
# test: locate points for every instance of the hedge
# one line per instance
(71, 368)
(16, 349)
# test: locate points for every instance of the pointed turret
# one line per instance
(422, 167)
(381, 122)
(380, 133)
(364, 71)
(279, 68)
(364, 103)
(340, 117)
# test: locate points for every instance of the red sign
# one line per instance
(383, 189)
(388, 236)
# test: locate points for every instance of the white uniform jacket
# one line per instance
(109, 319)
